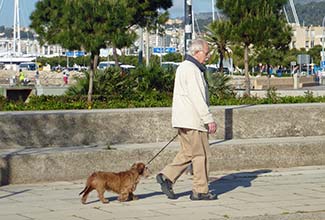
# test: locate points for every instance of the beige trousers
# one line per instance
(194, 149)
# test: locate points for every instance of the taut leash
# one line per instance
(171, 140)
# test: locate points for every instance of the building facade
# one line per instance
(306, 37)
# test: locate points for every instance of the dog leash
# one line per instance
(171, 140)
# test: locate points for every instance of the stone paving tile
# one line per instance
(255, 212)
(86, 214)
(14, 217)
(306, 202)
(209, 211)
(15, 208)
(306, 208)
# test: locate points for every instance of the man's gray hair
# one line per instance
(196, 45)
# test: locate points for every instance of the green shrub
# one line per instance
(142, 87)
(219, 86)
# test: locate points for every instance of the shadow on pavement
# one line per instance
(140, 196)
(232, 181)
(13, 193)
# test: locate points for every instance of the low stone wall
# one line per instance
(265, 82)
(73, 163)
(119, 126)
(69, 145)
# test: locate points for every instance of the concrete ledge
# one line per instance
(55, 164)
(68, 145)
(264, 82)
(147, 125)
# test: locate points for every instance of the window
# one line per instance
(312, 34)
(312, 44)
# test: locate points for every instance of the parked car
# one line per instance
(127, 68)
(105, 64)
(212, 68)
(168, 65)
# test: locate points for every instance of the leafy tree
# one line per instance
(276, 45)
(314, 54)
(253, 24)
(92, 24)
(174, 57)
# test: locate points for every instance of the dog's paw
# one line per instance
(105, 201)
(123, 198)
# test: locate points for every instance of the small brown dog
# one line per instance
(123, 183)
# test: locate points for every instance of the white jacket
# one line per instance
(190, 99)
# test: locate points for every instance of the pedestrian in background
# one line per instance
(22, 77)
(65, 77)
(37, 78)
(194, 121)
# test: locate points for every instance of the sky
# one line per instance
(197, 5)
(27, 6)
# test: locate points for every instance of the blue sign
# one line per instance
(170, 50)
(69, 53)
(164, 50)
(79, 53)
(322, 64)
(75, 53)
(158, 49)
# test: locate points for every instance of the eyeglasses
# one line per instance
(205, 53)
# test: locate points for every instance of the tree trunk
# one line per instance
(221, 62)
(147, 47)
(247, 79)
(93, 66)
(268, 76)
(115, 56)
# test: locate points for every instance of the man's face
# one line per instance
(203, 55)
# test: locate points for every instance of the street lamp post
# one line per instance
(323, 39)
(188, 24)
(213, 16)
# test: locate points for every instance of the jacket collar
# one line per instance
(197, 63)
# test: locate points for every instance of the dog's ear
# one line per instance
(134, 166)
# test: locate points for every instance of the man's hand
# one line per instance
(212, 128)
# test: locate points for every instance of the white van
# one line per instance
(105, 64)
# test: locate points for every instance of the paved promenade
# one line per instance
(271, 194)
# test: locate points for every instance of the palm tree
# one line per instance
(218, 36)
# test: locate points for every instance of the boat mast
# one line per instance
(16, 45)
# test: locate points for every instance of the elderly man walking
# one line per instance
(194, 121)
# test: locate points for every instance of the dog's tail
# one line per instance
(88, 183)
(86, 188)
